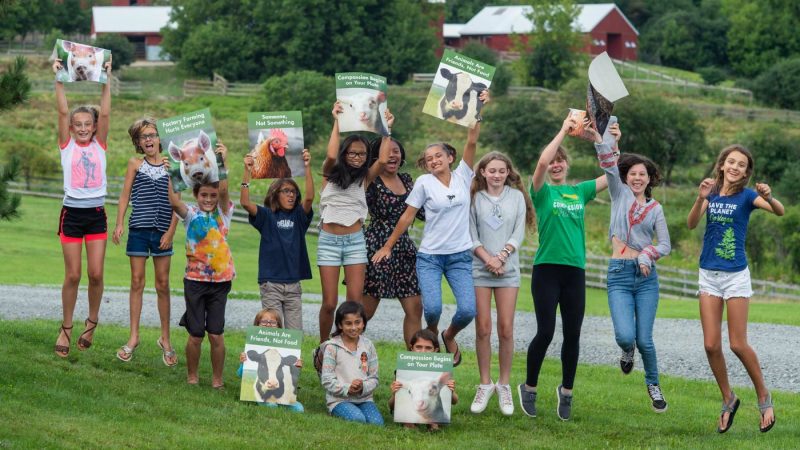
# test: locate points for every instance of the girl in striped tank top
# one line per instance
(151, 228)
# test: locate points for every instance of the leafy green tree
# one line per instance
(122, 50)
(502, 74)
(312, 90)
(777, 86)
(712, 75)
(34, 160)
(553, 44)
(14, 84)
(761, 33)
(9, 203)
(668, 133)
(521, 127)
(778, 159)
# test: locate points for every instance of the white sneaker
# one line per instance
(505, 398)
(482, 397)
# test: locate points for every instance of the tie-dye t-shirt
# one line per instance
(208, 256)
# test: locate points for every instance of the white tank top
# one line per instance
(343, 206)
(84, 168)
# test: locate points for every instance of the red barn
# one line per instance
(140, 24)
(605, 26)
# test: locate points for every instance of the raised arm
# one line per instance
(766, 201)
(383, 154)
(105, 107)
(61, 107)
(177, 204)
(124, 198)
(333, 141)
(244, 193)
(308, 197)
(700, 203)
(224, 195)
(402, 225)
(604, 146)
(473, 133)
(549, 153)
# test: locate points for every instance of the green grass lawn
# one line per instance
(94, 400)
(39, 249)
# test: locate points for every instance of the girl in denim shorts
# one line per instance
(724, 275)
(150, 231)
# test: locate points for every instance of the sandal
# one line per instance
(763, 407)
(62, 351)
(729, 407)
(167, 355)
(125, 353)
(456, 354)
(317, 357)
(84, 344)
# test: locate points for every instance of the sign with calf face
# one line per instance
(270, 371)
(362, 97)
(425, 395)
(458, 83)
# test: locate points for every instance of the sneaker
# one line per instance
(564, 409)
(482, 397)
(659, 404)
(505, 399)
(626, 361)
(527, 400)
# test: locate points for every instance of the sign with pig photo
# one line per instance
(363, 100)
(270, 372)
(190, 140)
(424, 396)
(80, 62)
(276, 143)
(458, 82)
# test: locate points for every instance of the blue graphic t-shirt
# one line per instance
(726, 230)
(282, 254)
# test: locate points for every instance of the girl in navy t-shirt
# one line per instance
(724, 275)
(282, 256)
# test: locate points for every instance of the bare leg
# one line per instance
(505, 300)
(412, 322)
(329, 278)
(711, 318)
(355, 274)
(217, 342)
(135, 299)
(161, 266)
(69, 290)
(95, 260)
(483, 332)
(370, 305)
(193, 350)
(738, 309)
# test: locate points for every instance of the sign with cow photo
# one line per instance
(424, 396)
(190, 140)
(363, 99)
(276, 144)
(458, 82)
(270, 373)
(80, 62)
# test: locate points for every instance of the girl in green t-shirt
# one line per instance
(558, 270)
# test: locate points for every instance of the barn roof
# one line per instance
(514, 19)
(130, 19)
(452, 30)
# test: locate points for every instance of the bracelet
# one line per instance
(245, 185)
(507, 252)
(501, 257)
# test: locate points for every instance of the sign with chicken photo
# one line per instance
(276, 144)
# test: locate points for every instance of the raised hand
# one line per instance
(306, 158)
(764, 190)
(705, 188)
(337, 109)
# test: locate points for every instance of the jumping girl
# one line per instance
(445, 248)
(343, 210)
(83, 139)
(724, 275)
(558, 270)
(636, 218)
(150, 231)
(282, 255)
(397, 277)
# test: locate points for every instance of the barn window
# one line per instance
(499, 11)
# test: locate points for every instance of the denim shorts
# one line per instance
(145, 242)
(725, 285)
(341, 249)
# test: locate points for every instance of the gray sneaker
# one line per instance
(527, 400)
(564, 404)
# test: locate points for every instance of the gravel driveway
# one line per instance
(679, 341)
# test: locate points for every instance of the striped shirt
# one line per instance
(150, 199)
(343, 206)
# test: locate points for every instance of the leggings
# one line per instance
(557, 285)
(365, 412)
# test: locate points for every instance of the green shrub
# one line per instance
(521, 127)
(712, 75)
(14, 84)
(777, 86)
(122, 51)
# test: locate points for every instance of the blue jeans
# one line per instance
(457, 268)
(633, 301)
(365, 412)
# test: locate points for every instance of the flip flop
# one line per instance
(763, 407)
(456, 354)
(62, 351)
(167, 354)
(127, 351)
(84, 344)
(730, 407)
